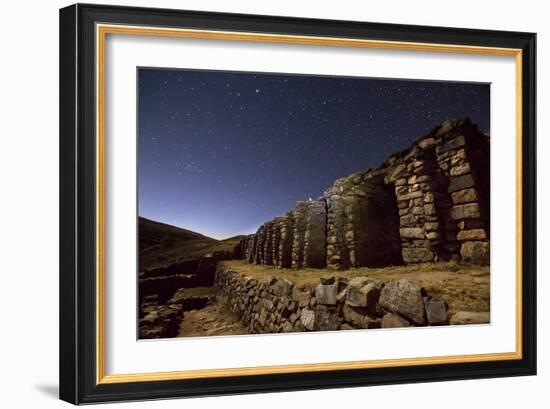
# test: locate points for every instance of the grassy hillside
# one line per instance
(161, 244)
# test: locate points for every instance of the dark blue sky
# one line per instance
(220, 153)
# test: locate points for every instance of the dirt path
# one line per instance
(214, 319)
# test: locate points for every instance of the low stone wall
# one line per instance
(272, 305)
(163, 282)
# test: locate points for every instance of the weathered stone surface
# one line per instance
(467, 317)
(436, 312)
(404, 298)
(426, 143)
(326, 318)
(326, 294)
(356, 298)
(342, 295)
(460, 169)
(417, 255)
(358, 317)
(475, 252)
(467, 211)
(412, 232)
(474, 234)
(283, 287)
(302, 297)
(429, 209)
(397, 172)
(366, 296)
(307, 317)
(460, 182)
(431, 226)
(464, 196)
(390, 320)
(409, 196)
(358, 282)
(408, 220)
(433, 235)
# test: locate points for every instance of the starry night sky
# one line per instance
(220, 152)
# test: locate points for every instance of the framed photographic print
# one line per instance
(256, 203)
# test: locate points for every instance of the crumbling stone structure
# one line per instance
(427, 203)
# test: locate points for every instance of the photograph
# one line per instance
(287, 203)
(251, 202)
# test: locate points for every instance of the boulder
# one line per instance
(283, 287)
(358, 282)
(468, 317)
(404, 298)
(436, 312)
(326, 294)
(466, 211)
(358, 317)
(302, 297)
(464, 196)
(394, 321)
(287, 327)
(417, 255)
(307, 318)
(366, 296)
(326, 318)
(411, 232)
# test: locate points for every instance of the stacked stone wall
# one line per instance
(315, 235)
(273, 305)
(427, 203)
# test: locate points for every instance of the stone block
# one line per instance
(460, 169)
(468, 317)
(301, 297)
(464, 196)
(469, 235)
(457, 183)
(409, 196)
(417, 255)
(466, 211)
(411, 232)
(307, 318)
(326, 318)
(326, 294)
(283, 287)
(475, 252)
(404, 298)
(358, 317)
(436, 312)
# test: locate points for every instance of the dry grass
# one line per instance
(465, 287)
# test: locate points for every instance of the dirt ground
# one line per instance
(214, 319)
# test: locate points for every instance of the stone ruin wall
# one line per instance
(270, 305)
(427, 203)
